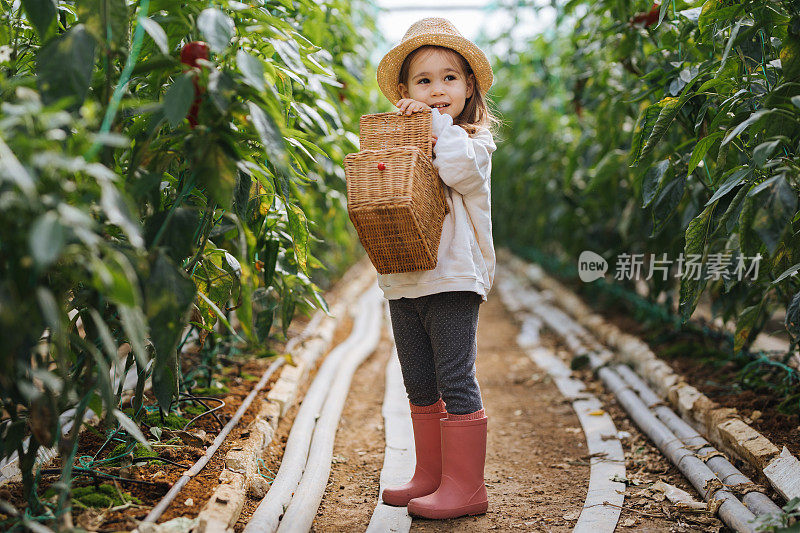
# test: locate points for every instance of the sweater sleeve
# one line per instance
(464, 162)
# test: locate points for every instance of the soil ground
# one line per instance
(705, 364)
(537, 467)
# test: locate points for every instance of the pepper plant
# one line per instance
(144, 197)
(670, 128)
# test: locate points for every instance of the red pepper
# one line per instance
(648, 18)
(190, 53)
(193, 51)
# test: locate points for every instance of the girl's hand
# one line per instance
(409, 105)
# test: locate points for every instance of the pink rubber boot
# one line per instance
(428, 447)
(462, 491)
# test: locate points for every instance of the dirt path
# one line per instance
(530, 444)
(537, 467)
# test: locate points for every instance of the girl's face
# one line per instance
(436, 80)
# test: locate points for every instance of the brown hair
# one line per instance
(477, 112)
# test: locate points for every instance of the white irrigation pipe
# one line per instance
(399, 456)
(269, 512)
(756, 501)
(607, 458)
(159, 509)
(732, 512)
(304, 505)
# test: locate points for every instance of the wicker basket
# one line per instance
(395, 198)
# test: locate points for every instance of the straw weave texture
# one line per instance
(398, 212)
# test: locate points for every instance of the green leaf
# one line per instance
(216, 171)
(270, 134)
(217, 28)
(264, 306)
(734, 180)
(662, 12)
(119, 213)
(106, 338)
(103, 371)
(287, 50)
(157, 33)
(106, 21)
(728, 220)
(42, 15)
(791, 271)
(183, 222)
(168, 296)
(669, 110)
(747, 237)
(115, 277)
(714, 10)
(653, 127)
(731, 39)
(133, 323)
(763, 185)
(792, 321)
(745, 324)
(653, 180)
(790, 57)
(64, 66)
(641, 132)
(219, 314)
(298, 226)
(775, 213)
(701, 148)
(178, 99)
(133, 430)
(241, 195)
(270, 259)
(12, 170)
(752, 119)
(252, 69)
(221, 89)
(46, 239)
(287, 313)
(695, 242)
(762, 152)
(666, 203)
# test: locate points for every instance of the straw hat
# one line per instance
(433, 31)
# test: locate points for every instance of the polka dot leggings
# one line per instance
(436, 338)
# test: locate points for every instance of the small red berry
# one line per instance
(381, 166)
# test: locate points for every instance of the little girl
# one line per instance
(434, 313)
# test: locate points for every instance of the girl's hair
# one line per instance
(477, 112)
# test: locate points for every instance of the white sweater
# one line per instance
(466, 258)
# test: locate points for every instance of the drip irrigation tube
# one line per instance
(99, 475)
(731, 510)
(758, 502)
(305, 502)
(159, 509)
(269, 512)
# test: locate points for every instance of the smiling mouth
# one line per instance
(438, 106)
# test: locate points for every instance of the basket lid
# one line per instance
(390, 130)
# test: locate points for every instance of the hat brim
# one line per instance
(389, 67)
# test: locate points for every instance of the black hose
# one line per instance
(199, 399)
